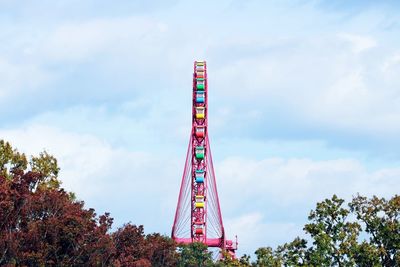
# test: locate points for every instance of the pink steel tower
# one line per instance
(198, 214)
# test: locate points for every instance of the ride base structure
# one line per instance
(198, 214)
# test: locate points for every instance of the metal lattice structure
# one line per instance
(198, 214)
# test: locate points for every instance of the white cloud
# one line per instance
(392, 62)
(17, 78)
(124, 182)
(77, 41)
(317, 80)
(339, 81)
(254, 231)
(358, 43)
(286, 182)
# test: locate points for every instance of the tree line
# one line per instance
(43, 225)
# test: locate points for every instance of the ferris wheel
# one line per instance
(198, 214)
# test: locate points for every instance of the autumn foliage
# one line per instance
(42, 225)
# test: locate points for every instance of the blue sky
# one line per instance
(304, 103)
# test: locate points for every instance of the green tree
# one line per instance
(194, 255)
(266, 256)
(228, 260)
(244, 260)
(294, 253)
(334, 237)
(11, 160)
(381, 218)
(45, 164)
(365, 254)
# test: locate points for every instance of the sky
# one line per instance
(304, 103)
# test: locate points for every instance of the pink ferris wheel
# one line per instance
(198, 214)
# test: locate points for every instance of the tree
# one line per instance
(245, 260)
(294, 253)
(267, 257)
(194, 255)
(130, 244)
(381, 218)
(365, 254)
(162, 250)
(45, 228)
(43, 225)
(47, 166)
(228, 260)
(135, 249)
(11, 160)
(40, 224)
(333, 235)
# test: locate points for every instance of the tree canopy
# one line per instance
(43, 225)
(366, 232)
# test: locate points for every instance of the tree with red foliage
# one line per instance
(43, 225)
(135, 249)
(162, 250)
